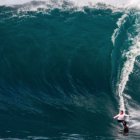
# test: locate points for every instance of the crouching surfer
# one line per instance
(121, 119)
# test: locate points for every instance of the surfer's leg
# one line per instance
(120, 123)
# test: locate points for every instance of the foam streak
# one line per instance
(120, 23)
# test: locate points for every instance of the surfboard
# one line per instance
(124, 133)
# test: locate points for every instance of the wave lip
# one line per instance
(78, 3)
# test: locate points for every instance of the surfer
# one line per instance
(121, 119)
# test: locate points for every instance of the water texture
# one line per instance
(67, 67)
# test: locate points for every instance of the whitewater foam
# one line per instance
(131, 55)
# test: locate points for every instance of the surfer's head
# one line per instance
(121, 111)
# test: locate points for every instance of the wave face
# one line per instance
(64, 72)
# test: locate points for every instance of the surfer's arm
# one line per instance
(116, 116)
(126, 115)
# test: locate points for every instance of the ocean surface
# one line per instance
(67, 68)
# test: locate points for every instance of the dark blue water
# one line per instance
(59, 72)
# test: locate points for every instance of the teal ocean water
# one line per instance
(65, 71)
